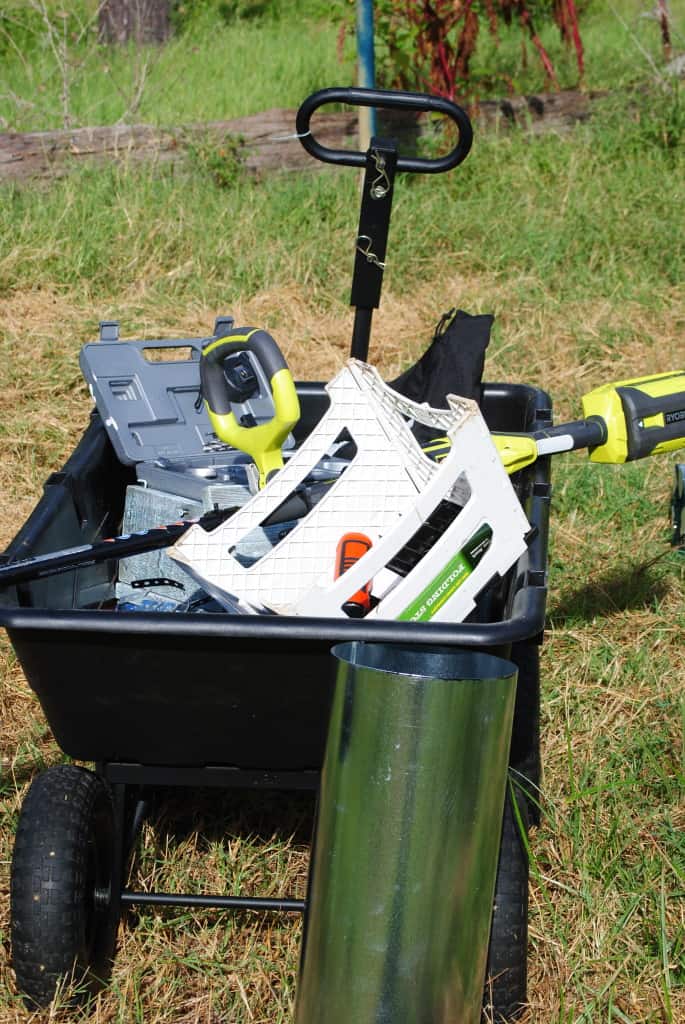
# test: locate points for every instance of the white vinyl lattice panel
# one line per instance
(387, 492)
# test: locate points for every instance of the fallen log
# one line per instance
(266, 141)
(263, 139)
(541, 112)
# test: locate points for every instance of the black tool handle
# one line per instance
(639, 407)
(241, 339)
(384, 98)
(51, 564)
(123, 546)
(40, 566)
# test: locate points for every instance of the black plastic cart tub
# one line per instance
(198, 691)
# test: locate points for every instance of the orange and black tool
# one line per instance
(351, 547)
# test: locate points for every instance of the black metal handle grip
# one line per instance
(642, 437)
(390, 100)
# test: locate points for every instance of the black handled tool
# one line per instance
(126, 544)
(626, 420)
(298, 504)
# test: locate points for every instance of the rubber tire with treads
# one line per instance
(60, 885)
(506, 977)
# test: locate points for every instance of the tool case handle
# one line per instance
(390, 100)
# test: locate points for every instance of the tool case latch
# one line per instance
(109, 330)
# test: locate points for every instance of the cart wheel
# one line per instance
(61, 884)
(506, 978)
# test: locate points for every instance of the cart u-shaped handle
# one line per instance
(391, 100)
(264, 440)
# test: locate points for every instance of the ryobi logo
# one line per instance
(677, 416)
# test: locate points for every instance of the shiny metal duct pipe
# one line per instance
(407, 837)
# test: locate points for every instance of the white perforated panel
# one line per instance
(388, 491)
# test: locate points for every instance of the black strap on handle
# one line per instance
(372, 240)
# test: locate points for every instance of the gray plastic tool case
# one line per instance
(147, 395)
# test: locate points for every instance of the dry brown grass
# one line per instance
(613, 671)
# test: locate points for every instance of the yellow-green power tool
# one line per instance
(228, 382)
(627, 420)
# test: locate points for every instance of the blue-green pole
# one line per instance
(366, 70)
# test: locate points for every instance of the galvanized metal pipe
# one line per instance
(408, 832)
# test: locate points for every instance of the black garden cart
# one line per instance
(156, 700)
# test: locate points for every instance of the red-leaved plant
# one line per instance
(431, 42)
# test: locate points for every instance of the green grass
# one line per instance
(55, 74)
(216, 70)
(584, 215)
(576, 242)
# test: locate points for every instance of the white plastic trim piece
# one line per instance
(389, 490)
(552, 445)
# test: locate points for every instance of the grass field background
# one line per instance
(575, 242)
